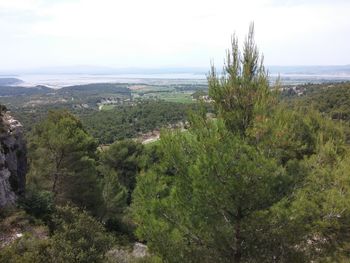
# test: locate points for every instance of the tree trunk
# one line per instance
(238, 248)
(54, 185)
(57, 173)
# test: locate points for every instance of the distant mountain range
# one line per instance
(97, 70)
(310, 70)
(10, 81)
(58, 77)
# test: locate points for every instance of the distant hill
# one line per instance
(20, 91)
(98, 70)
(10, 81)
(77, 90)
(310, 70)
(96, 88)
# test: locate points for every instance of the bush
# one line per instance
(78, 237)
(38, 203)
(26, 250)
(122, 228)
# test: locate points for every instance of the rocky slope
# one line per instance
(13, 160)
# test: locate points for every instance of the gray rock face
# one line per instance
(140, 250)
(13, 160)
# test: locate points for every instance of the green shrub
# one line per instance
(38, 203)
(26, 250)
(78, 237)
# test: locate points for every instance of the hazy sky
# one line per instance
(156, 33)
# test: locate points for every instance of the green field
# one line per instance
(180, 97)
(108, 107)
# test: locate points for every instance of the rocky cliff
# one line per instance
(13, 160)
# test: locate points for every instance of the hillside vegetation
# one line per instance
(332, 99)
(265, 177)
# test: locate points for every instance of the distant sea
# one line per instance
(59, 81)
(62, 80)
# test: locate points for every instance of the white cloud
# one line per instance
(163, 32)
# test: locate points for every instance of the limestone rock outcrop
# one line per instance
(13, 160)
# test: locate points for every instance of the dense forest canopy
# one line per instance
(256, 173)
(332, 99)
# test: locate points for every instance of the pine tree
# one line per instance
(243, 90)
(63, 160)
(211, 184)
